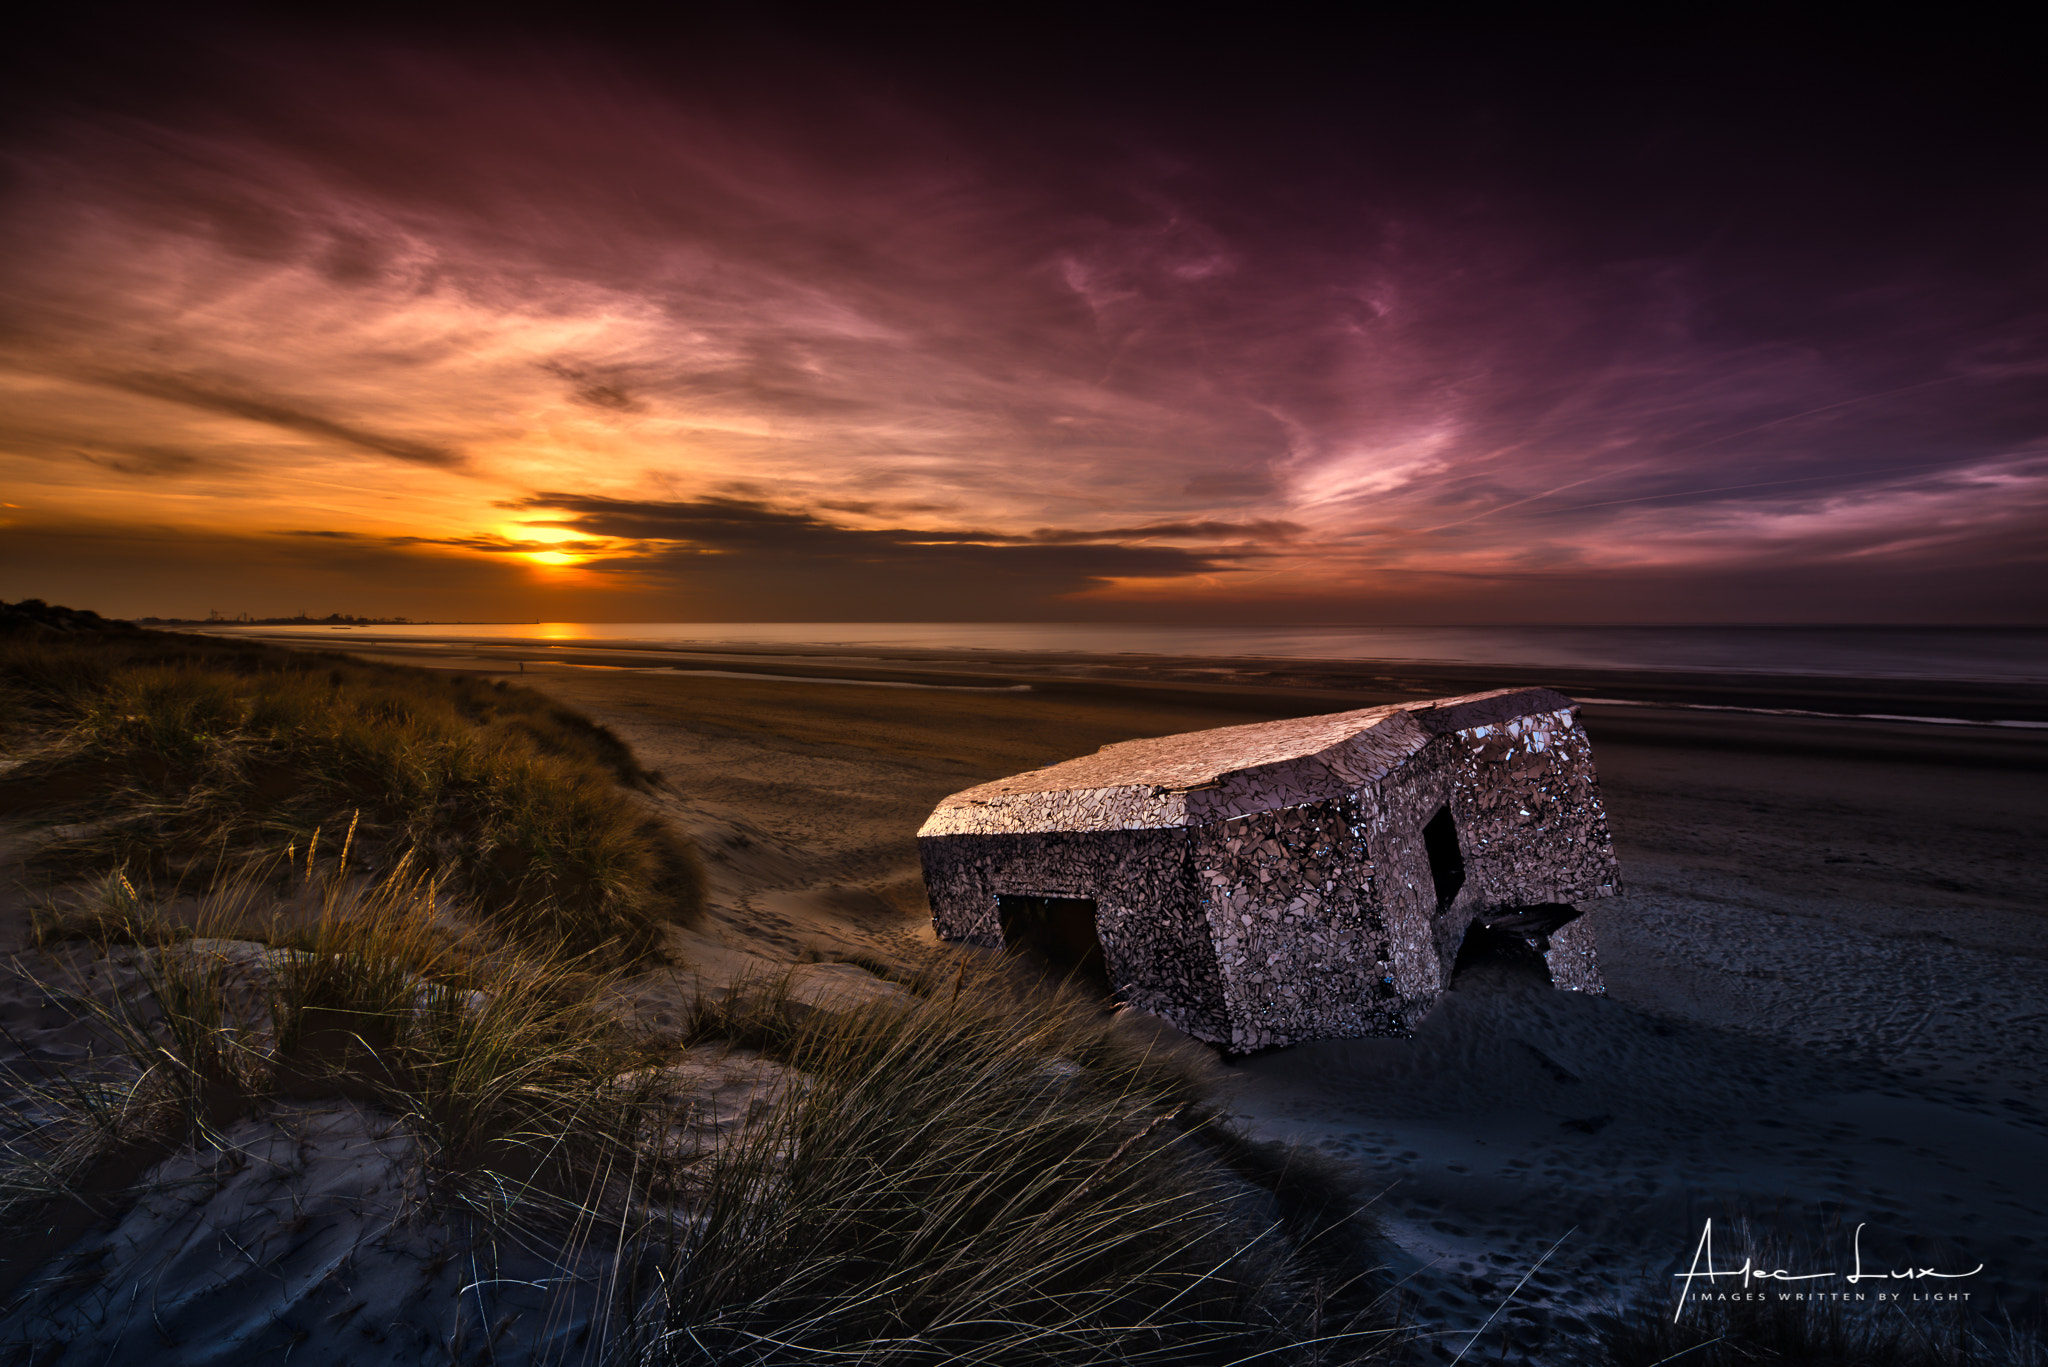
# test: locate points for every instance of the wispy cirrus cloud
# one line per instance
(1096, 352)
(272, 411)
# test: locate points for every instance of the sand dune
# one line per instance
(1827, 1006)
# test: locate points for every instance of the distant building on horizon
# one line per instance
(1294, 880)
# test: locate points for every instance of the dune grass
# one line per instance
(178, 759)
(503, 1064)
(991, 1174)
(977, 1172)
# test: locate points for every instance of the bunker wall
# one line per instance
(1424, 930)
(1155, 941)
(1290, 899)
(1529, 811)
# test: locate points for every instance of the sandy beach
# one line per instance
(1827, 983)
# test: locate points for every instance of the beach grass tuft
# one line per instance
(502, 1063)
(981, 1173)
(179, 759)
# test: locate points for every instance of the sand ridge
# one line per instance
(1828, 992)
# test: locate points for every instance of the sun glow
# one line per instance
(527, 531)
(528, 534)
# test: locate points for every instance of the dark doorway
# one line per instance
(1446, 860)
(1498, 954)
(1512, 941)
(1059, 930)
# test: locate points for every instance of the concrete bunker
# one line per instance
(1317, 878)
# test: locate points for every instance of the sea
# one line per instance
(1989, 654)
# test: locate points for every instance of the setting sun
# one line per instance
(527, 534)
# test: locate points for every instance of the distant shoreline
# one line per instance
(332, 620)
(1257, 684)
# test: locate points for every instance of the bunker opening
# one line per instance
(1446, 861)
(1513, 941)
(1059, 932)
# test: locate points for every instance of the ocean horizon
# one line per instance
(1999, 654)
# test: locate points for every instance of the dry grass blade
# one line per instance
(949, 1187)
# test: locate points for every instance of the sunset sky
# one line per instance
(795, 318)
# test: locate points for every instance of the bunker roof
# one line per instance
(1141, 783)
